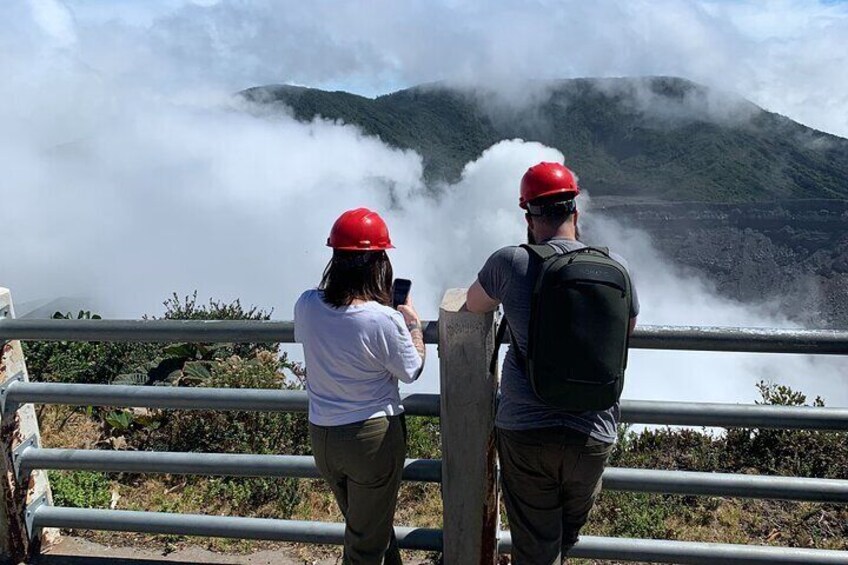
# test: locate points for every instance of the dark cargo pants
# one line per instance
(550, 478)
(362, 463)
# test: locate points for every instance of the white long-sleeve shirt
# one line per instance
(355, 355)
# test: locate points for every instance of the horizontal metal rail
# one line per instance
(715, 414)
(749, 340)
(692, 483)
(632, 411)
(693, 553)
(162, 331)
(190, 463)
(152, 331)
(45, 516)
(658, 551)
(759, 340)
(426, 470)
(186, 398)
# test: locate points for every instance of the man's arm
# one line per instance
(478, 301)
(632, 325)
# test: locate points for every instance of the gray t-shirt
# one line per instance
(509, 276)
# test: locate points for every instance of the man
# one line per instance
(551, 459)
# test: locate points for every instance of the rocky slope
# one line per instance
(791, 252)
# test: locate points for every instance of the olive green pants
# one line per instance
(363, 463)
(550, 479)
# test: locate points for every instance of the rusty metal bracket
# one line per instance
(8, 407)
(17, 454)
(32, 531)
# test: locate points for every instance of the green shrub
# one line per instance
(799, 453)
(424, 438)
(187, 308)
(237, 432)
(263, 497)
(81, 361)
(637, 515)
(80, 489)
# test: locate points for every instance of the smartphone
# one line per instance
(400, 291)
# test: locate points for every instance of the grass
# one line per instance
(620, 514)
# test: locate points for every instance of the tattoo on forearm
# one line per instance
(417, 338)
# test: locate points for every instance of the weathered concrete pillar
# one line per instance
(17, 426)
(469, 486)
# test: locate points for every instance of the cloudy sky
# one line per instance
(127, 170)
(790, 56)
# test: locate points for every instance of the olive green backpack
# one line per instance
(579, 328)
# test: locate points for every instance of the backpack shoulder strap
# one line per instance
(543, 252)
(499, 335)
(548, 250)
(493, 364)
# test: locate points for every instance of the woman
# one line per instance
(357, 348)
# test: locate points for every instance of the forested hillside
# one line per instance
(696, 168)
(635, 138)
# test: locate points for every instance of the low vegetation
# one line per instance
(749, 451)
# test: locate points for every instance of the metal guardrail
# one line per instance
(192, 463)
(725, 484)
(660, 551)
(692, 553)
(40, 515)
(195, 398)
(301, 531)
(747, 340)
(184, 398)
(720, 415)
(424, 470)
(758, 340)
(152, 331)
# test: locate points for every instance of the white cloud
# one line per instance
(128, 172)
(55, 19)
(443, 244)
(789, 56)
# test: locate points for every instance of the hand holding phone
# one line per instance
(400, 292)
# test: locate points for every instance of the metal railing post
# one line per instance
(468, 392)
(18, 425)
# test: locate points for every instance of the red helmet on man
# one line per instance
(360, 230)
(547, 179)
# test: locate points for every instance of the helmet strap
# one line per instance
(354, 258)
(552, 208)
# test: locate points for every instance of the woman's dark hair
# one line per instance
(363, 275)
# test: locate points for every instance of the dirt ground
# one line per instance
(79, 551)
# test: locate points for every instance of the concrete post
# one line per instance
(17, 426)
(468, 392)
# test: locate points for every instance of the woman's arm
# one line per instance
(413, 324)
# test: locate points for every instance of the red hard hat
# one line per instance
(546, 179)
(360, 230)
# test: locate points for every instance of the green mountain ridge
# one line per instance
(634, 139)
